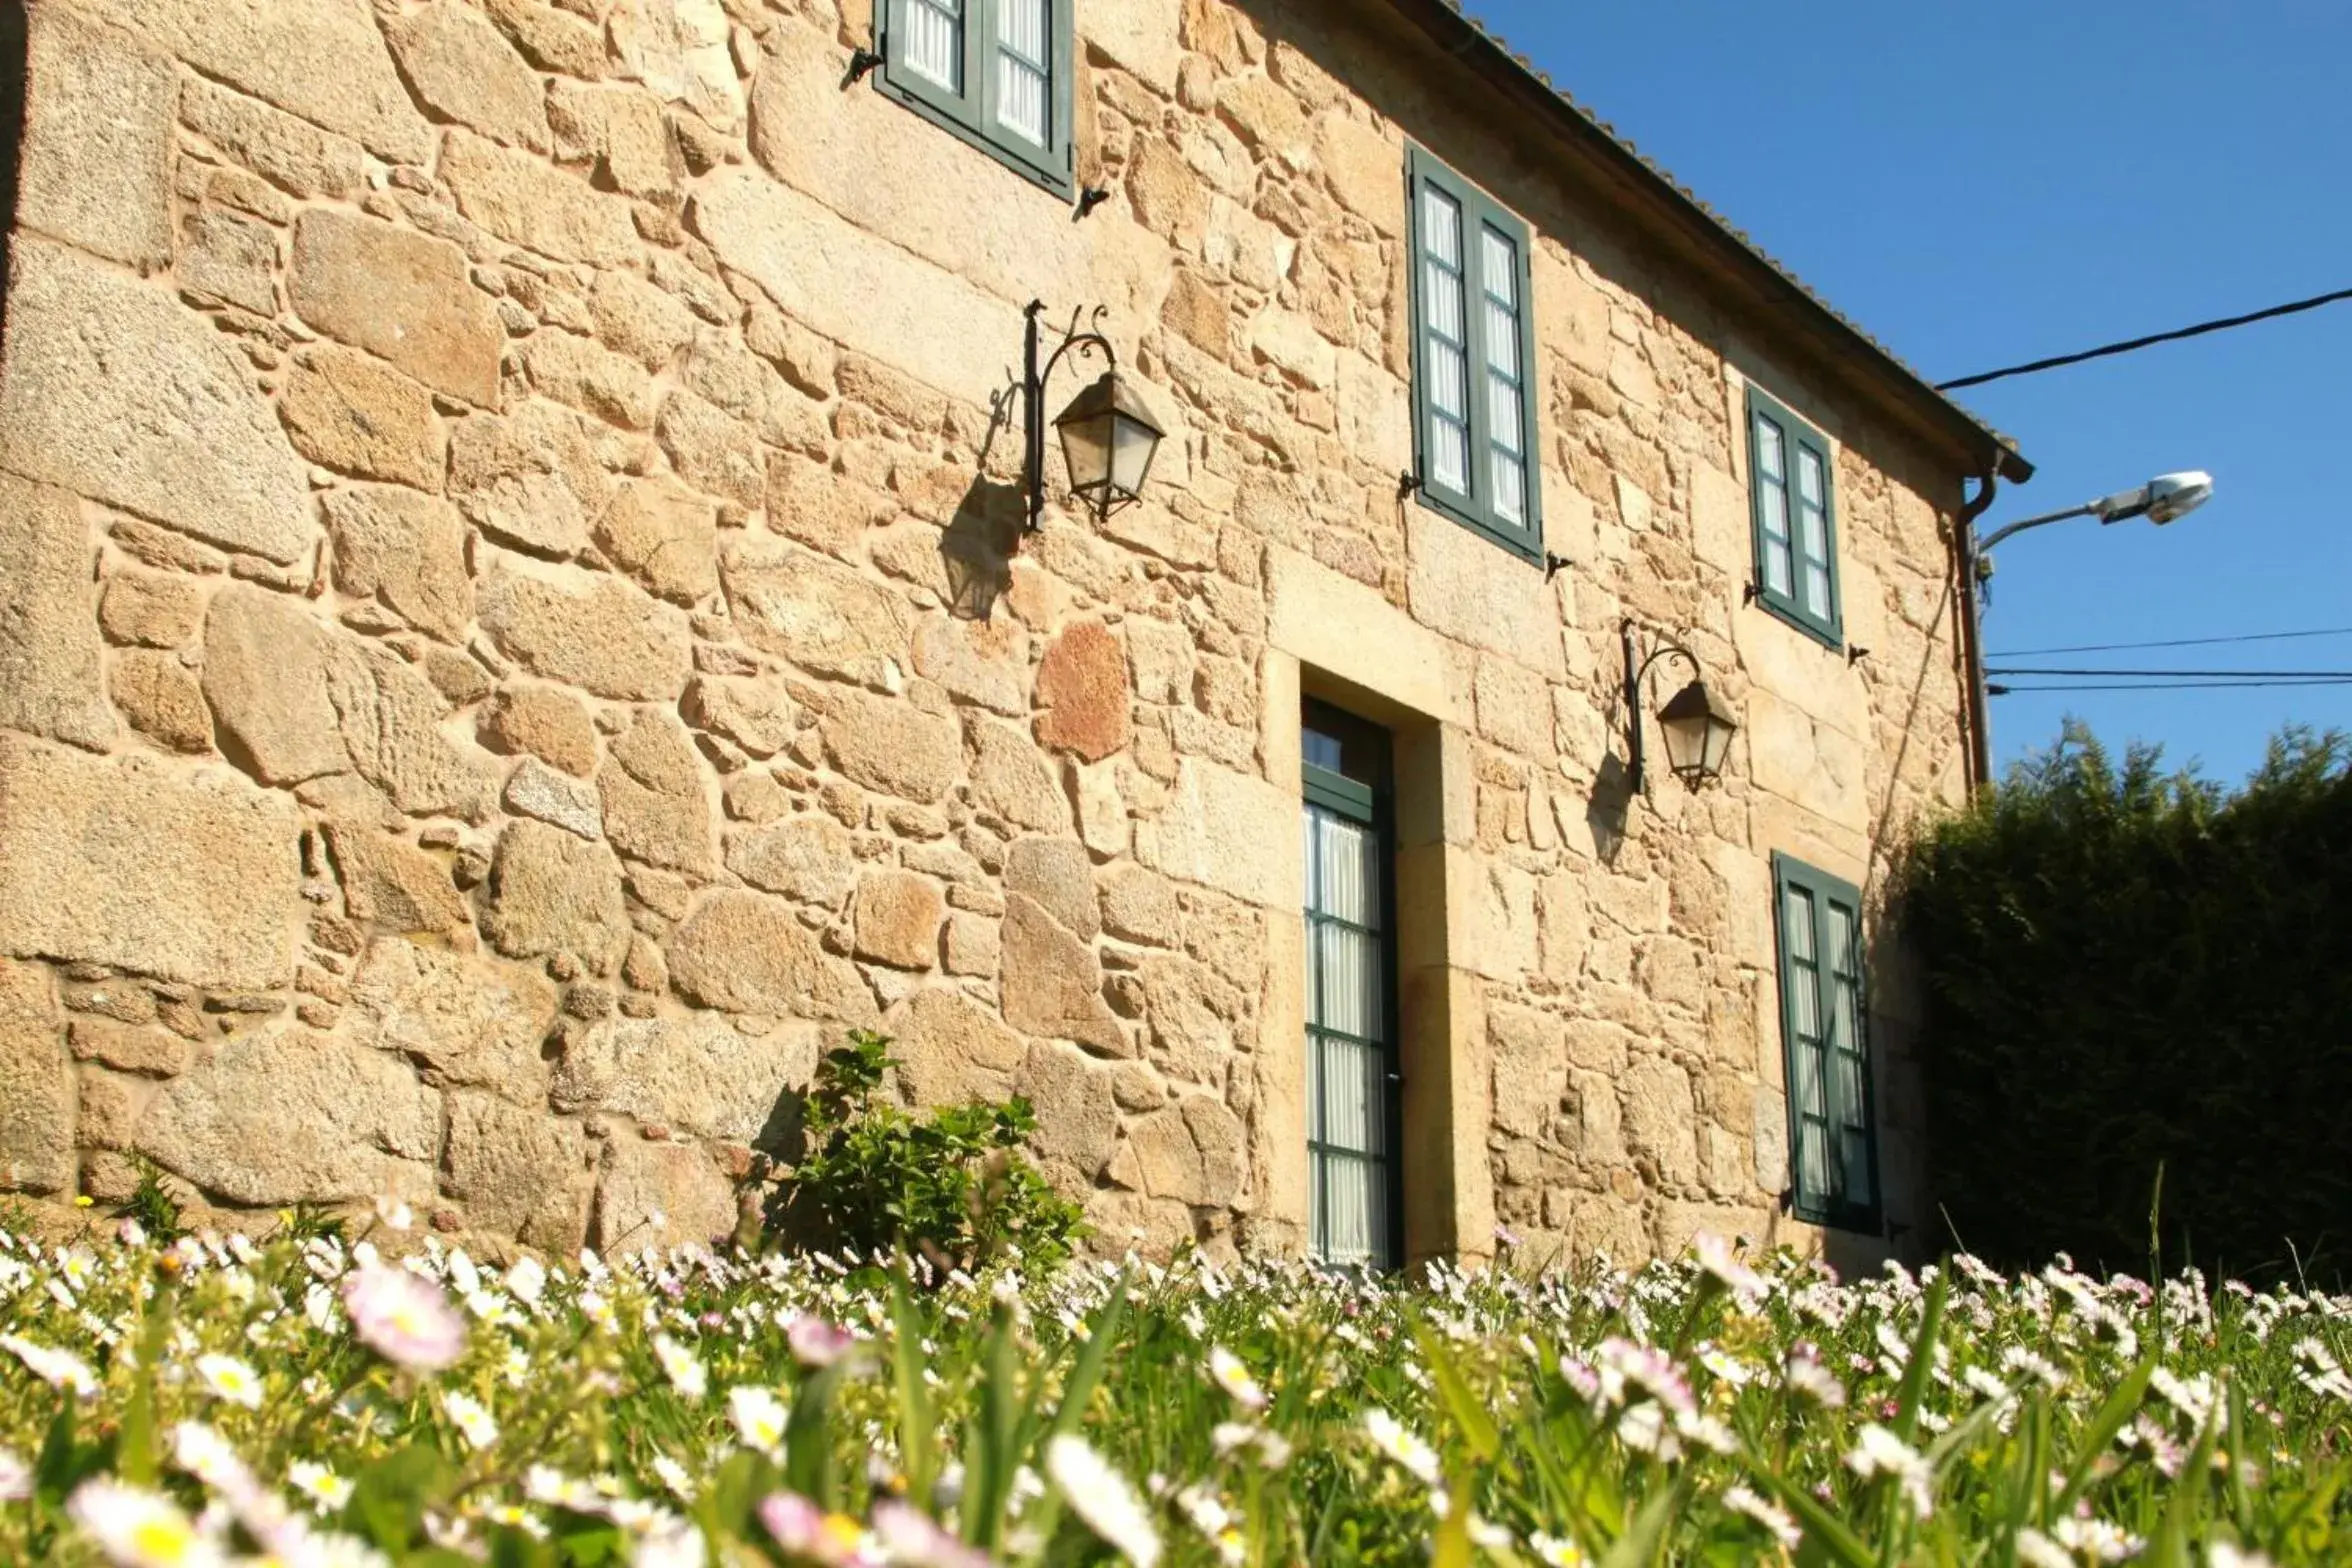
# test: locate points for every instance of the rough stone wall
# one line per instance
(514, 636)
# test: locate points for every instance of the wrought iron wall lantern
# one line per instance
(1108, 435)
(1696, 724)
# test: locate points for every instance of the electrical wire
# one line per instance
(2298, 675)
(1998, 690)
(2130, 345)
(2175, 642)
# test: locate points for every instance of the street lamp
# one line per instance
(1695, 722)
(2167, 498)
(1108, 434)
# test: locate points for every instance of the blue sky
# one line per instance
(1985, 183)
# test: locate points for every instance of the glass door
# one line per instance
(1351, 992)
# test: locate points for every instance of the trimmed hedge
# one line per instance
(2126, 969)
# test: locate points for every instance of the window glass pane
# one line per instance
(1441, 228)
(1809, 471)
(1848, 1105)
(1022, 68)
(1449, 453)
(1350, 853)
(934, 45)
(1805, 1085)
(1796, 930)
(1841, 942)
(1769, 462)
(1307, 860)
(1777, 570)
(1444, 303)
(1353, 1217)
(1858, 1190)
(1350, 982)
(1772, 506)
(1813, 1179)
(1817, 591)
(1314, 1086)
(1510, 487)
(1448, 380)
(1805, 1004)
(1813, 533)
(1355, 1080)
(1505, 413)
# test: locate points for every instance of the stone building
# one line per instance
(519, 627)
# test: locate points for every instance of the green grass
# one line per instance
(685, 1409)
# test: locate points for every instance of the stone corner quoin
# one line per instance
(516, 633)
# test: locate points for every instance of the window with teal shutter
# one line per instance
(996, 73)
(1833, 1134)
(1792, 497)
(1474, 359)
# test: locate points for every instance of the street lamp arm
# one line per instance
(1034, 379)
(2087, 509)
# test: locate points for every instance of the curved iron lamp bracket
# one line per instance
(1034, 378)
(1637, 672)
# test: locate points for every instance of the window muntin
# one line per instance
(1474, 344)
(1351, 968)
(1833, 1143)
(1791, 495)
(996, 73)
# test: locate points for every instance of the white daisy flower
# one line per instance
(1774, 1519)
(681, 1366)
(327, 1491)
(471, 1419)
(230, 1379)
(136, 1528)
(1235, 1379)
(1390, 1437)
(1101, 1496)
(759, 1418)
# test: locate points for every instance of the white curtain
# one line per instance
(1347, 1059)
(1444, 321)
(935, 41)
(1506, 395)
(1023, 68)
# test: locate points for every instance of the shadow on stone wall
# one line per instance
(1608, 806)
(978, 547)
(12, 123)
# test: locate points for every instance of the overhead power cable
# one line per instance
(2284, 675)
(2000, 690)
(2131, 345)
(2174, 642)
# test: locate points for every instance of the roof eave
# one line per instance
(1705, 240)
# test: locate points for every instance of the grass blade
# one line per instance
(1478, 1428)
(918, 1437)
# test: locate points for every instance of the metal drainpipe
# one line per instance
(1980, 740)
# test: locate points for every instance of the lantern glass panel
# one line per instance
(1133, 445)
(1719, 733)
(1086, 447)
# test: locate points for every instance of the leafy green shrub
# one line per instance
(151, 1204)
(952, 1186)
(2128, 967)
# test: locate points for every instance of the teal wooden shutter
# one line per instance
(998, 74)
(1833, 1142)
(1793, 506)
(1474, 414)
